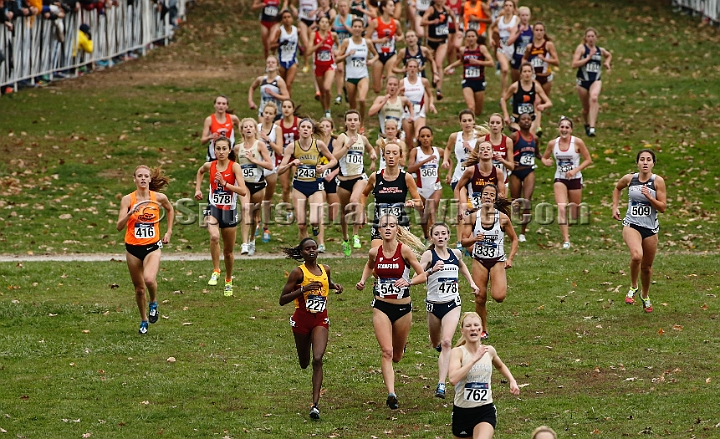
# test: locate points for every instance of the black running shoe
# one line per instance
(392, 402)
(153, 314)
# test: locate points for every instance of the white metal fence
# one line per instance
(709, 9)
(33, 50)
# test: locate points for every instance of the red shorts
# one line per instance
(320, 69)
(268, 24)
(304, 322)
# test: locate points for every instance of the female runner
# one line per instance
(390, 263)
(219, 124)
(476, 16)
(286, 40)
(475, 57)
(391, 106)
(328, 179)
(139, 212)
(385, 31)
(588, 59)
(272, 136)
(253, 158)
(436, 18)
(305, 154)
(501, 30)
(342, 25)
(479, 171)
(455, 29)
(309, 286)
(543, 432)
(522, 179)
(268, 17)
(647, 196)
(414, 51)
(522, 37)
(567, 151)
(541, 54)
(306, 14)
(525, 94)
(323, 42)
(289, 130)
(424, 161)
(417, 9)
(352, 178)
(272, 87)
(357, 50)
(417, 90)
(443, 296)
(390, 187)
(474, 414)
(485, 231)
(226, 183)
(502, 147)
(391, 136)
(460, 143)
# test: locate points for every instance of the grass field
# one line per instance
(71, 363)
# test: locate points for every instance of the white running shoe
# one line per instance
(251, 248)
(566, 245)
(521, 238)
(244, 249)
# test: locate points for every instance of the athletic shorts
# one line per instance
(321, 69)
(476, 86)
(489, 263)
(464, 420)
(439, 310)
(222, 218)
(141, 251)
(329, 186)
(385, 57)
(268, 24)
(288, 64)
(418, 110)
(427, 192)
(393, 311)
(435, 44)
(644, 231)
(349, 184)
(303, 322)
(542, 80)
(572, 184)
(584, 84)
(522, 173)
(308, 21)
(516, 62)
(355, 81)
(307, 188)
(254, 188)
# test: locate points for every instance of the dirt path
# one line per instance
(108, 257)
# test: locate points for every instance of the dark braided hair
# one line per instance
(296, 252)
(501, 203)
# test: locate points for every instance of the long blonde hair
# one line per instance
(158, 180)
(406, 237)
(543, 429)
(461, 341)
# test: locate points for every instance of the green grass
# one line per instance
(587, 361)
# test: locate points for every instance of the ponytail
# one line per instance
(158, 180)
(296, 252)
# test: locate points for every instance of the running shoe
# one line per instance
(244, 249)
(315, 230)
(347, 251)
(328, 115)
(439, 95)
(538, 133)
(392, 402)
(143, 328)
(153, 313)
(321, 248)
(647, 306)
(587, 129)
(356, 241)
(338, 100)
(566, 245)
(521, 238)
(315, 412)
(305, 68)
(591, 132)
(438, 348)
(317, 95)
(257, 230)
(484, 335)
(266, 235)
(440, 391)
(214, 278)
(459, 246)
(630, 296)
(251, 248)
(228, 289)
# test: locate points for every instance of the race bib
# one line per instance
(357, 62)
(271, 11)
(287, 50)
(472, 72)
(565, 165)
(429, 171)
(249, 172)
(448, 286)
(640, 209)
(473, 25)
(315, 304)
(592, 67)
(386, 289)
(526, 108)
(442, 29)
(221, 198)
(389, 209)
(306, 172)
(527, 160)
(476, 392)
(476, 199)
(354, 158)
(484, 249)
(324, 56)
(537, 63)
(144, 231)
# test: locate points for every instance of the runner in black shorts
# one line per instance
(522, 179)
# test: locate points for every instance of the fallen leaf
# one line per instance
(85, 331)
(707, 381)
(677, 327)
(86, 435)
(171, 360)
(660, 331)
(145, 402)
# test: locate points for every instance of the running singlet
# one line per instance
(267, 86)
(524, 100)
(479, 180)
(352, 163)
(306, 7)
(289, 136)
(473, 72)
(392, 111)
(415, 92)
(493, 244)
(270, 10)
(313, 301)
(356, 64)
(525, 38)
(308, 161)
(474, 390)
(224, 129)
(524, 150)
(390, 198)
(288, 46)
(323, 55)
(251, 172)
(383, 30)
(475, 11)
(566, 160)
(442, 285)
(422, 6)
(219, 197)
(504, 33)
(441, 30)
(355, 7)
(418, 56)
(143, 226)
(389, 270)
(540, 67)
(461, 154)
(272, 138)
(640, 212)
(501, 149)
(593, 69)
(428, 174)
(342, 32)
